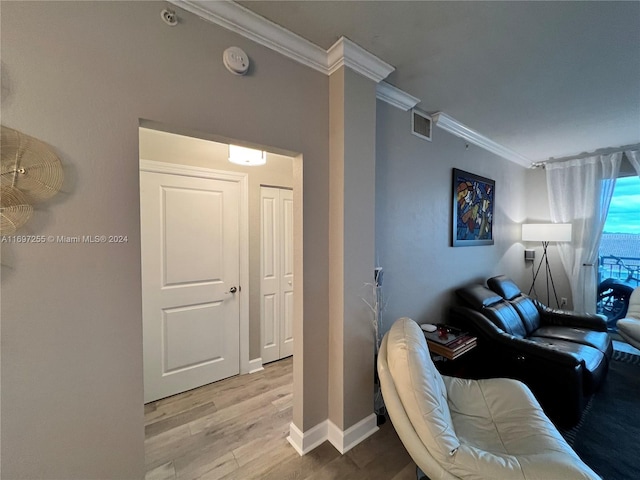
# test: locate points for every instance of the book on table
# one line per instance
(450, 354)
(449, 342)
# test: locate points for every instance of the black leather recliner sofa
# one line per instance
(562, 356)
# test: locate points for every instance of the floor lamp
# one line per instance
(546, 233)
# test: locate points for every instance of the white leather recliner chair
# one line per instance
(468, 429)
(629, 327)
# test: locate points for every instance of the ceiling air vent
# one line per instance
(421, 124)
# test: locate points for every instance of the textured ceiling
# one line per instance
(546, 79)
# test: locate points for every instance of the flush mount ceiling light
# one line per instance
(246, 156)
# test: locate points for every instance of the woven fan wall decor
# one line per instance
(30, 172)
(14, 210)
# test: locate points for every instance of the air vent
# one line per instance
(421, 124)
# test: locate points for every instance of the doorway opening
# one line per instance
(207, 229)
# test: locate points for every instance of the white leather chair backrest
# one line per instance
(634, 305)
(402, 424)
(421, 388)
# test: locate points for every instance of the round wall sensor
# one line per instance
(236, 61)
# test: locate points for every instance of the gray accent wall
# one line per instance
(413, 219)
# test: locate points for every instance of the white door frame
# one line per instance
(243, 181)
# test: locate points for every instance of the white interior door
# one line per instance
(276, 269)
(190, 270)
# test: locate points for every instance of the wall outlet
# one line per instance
(563, 302)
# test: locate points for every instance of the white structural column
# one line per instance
(352, 117)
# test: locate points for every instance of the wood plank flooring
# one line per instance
(236, 429)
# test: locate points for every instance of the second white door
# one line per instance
(276, 273)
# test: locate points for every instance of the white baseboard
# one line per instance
(352, 436)
(307, 441)
(255, 365)
(304, 442)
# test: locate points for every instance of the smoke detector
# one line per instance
(236, 61)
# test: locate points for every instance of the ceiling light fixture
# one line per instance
(249, 157)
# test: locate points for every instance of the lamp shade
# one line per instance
(546, 232)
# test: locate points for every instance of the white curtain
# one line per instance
(580, 193)
(634, 158)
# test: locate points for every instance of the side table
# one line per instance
(462, 366)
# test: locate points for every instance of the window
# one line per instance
(620, 244)
(620, 250)
(624, 212)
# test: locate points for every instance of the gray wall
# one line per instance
(413, 219)
(80, 76)
(198, 152)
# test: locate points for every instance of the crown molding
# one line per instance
(349, 54)
(396, 97)
(453, 126)
(243, 21)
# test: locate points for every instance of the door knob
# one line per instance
(231, 290)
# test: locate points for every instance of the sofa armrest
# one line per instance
(518, 347)
(568, 318)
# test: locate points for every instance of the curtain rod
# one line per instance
(600, 151)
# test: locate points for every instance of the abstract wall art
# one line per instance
(473, 204)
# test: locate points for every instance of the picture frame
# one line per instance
(473, 209)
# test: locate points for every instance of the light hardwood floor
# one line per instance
(237, 428)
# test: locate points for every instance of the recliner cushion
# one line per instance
(595, 365)
(507, 289)
(478, 296)
(505, 317)
(494, 307)
(421, 389)
(529, 313)
(597, 340)
(504, 286)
